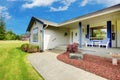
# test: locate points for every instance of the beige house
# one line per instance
(95, 26)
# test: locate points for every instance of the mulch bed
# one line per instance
(94, 64)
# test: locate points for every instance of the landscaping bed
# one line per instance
(94, 64)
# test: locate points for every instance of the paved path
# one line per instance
(52, 69)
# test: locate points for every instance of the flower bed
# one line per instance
(94, 64)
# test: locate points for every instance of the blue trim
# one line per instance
(109, 32)
(80, 34)
(88, 32)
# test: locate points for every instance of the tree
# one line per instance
(2, 29)
(10, 35)
(18, 37)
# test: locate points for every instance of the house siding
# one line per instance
(35, 25)
(54, 37)
(118, 33)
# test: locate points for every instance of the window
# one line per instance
(35, 34)
(98, 33)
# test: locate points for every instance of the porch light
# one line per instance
(65, 34)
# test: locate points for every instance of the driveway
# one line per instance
(52, 69)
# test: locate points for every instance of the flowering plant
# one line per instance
(72, 48)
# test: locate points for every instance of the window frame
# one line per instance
(35, 34)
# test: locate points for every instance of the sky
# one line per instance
(17, 13)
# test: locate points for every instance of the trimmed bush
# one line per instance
(72, 48)
(24, 47)
(30, 48)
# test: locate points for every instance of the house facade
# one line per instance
(94, 26)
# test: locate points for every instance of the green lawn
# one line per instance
(14, 64)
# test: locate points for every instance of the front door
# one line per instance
(74, 36)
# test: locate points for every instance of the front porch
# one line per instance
(95, 28)
(103, 52)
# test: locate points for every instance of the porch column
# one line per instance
(80, 34)
(88, 32)
(109, 33)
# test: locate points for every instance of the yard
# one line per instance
(14, 64)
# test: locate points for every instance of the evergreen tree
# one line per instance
(2, 29)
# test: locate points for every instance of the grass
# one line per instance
(14, 64)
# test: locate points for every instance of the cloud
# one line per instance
(84, 2)
(66, 4)
(4, 12)
(38, 3)
(49, 3)
(104, 2)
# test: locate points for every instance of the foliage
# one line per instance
(7, 35)
(2, 29)
(29, 48)
(18, 37)
(14, 64)
(33, 48)
(10, 35)
(98, 33)
(72, 48)
(24, 47)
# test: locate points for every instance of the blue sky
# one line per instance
(17, 13)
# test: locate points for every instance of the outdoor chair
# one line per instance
(104, 42)
(88, 42)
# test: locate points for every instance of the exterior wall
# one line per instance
(114, 25)
(118, 33)
(54, 37)
(76, 37)
(36, 24)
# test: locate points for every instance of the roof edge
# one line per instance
(32, 21)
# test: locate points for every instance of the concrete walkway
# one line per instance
(52, 69)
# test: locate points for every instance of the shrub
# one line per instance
(30, 48)
(72, 48)
(24, 47)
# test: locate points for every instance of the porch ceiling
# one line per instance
(71, 26)
(103, 18)
(94, 20)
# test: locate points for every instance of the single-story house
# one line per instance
(95, 26)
